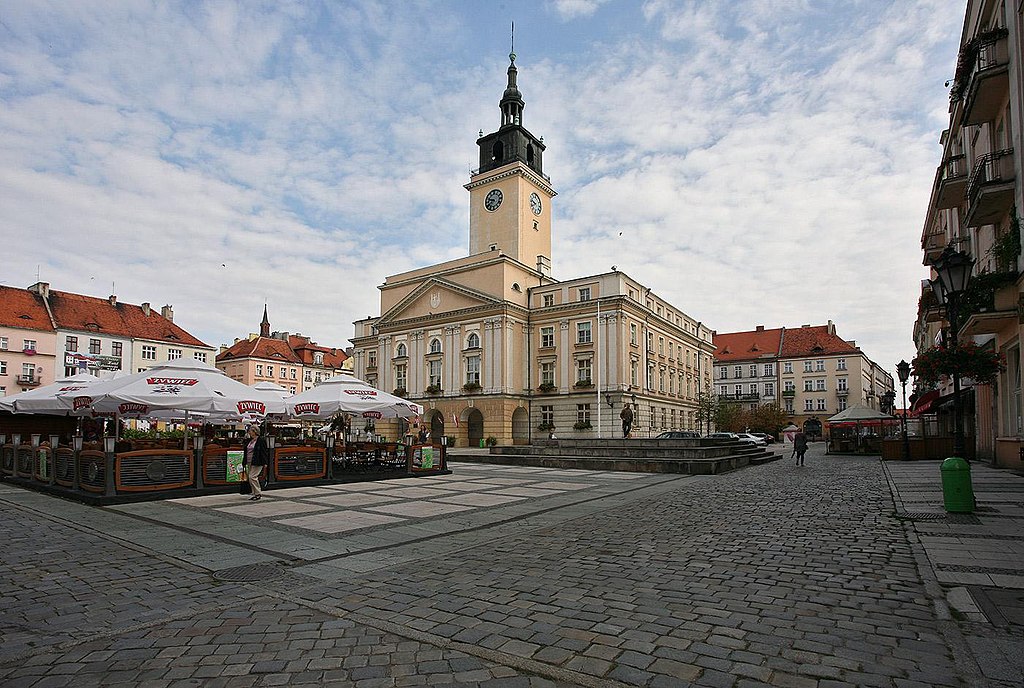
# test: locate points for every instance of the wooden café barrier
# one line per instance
(7, 459)
(215, 465)
(151, 470)
(300, 463)
(64, 466)
(92, 470)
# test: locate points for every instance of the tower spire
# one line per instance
(265, 325)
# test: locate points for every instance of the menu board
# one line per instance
(235, 465)
(423, 458)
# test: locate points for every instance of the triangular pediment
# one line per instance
(436, 296)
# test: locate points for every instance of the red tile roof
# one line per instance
(24, 309)
(820, 340)
(91, 314)
(304, 349)
(746, 346)
(266, 348)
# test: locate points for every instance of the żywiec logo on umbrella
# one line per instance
(70, 389)
(364, 394)
(257, 407)
(129, 408)
(178, 381)
(80, 403)
(310, 407)
(373, 414)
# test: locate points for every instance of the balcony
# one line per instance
(951, 182)
(842, 393)
(933, 242)
(990, 191)
(987, 86)
(29, 381)
(788, 393)
(990, 304)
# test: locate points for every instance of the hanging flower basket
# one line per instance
(981, 365)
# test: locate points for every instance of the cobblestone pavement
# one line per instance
(775, 575)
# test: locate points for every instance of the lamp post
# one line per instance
(954, 272)
(903, 371)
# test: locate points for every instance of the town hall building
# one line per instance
(494, 346)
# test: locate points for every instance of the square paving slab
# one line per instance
(419, 509)
(339, 521)
(269, 507)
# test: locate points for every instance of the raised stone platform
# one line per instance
(690, 457)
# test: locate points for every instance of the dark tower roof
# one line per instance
(265, 325)
(512, 142)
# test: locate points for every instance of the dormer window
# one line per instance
(318, 358)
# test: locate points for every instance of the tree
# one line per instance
(770, 419)
(730, 418)
(707, 409)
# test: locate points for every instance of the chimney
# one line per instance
(41, 288)
(831, 327)
(145, 308)
(223, 348)
(168, 313)
(760, 328)
(112, 300)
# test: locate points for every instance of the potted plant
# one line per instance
(966, 359)
(433, 389)
(451, 440)
(399, 391)
(546, 426)
(471, 387)
(585, 382)
(582, 425)
(547, 387)
(491, 441)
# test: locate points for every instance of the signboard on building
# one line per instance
(91, 361)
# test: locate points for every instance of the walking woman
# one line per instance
(800, 447)
(257, 455)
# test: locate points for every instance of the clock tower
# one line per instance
(509, 195)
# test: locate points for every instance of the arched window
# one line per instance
(473, 341)
(529, 155)
(401, 351)
(498, 151)
(435, 346)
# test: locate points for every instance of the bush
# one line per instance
(451, 440)
(582, 426)
(491, 441)
(547, 387)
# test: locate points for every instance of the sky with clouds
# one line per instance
(756, 162)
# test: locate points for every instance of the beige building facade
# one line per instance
(495, 347)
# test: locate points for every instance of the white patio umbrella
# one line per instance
(180, 385)
(348, 394)
(44, 399)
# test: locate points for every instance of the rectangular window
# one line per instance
(841, 364)
(71, 343)
(371, 359)
(547, 373)
(308, 376)
(199, 356)
(769, 389)
(583, 370)
(148, 352)
(434, 373)
(789, 386)
(738, 371)
(583, 335)
(3, 368)
(634, 372)
(547, 337)
(819, 366)
(808, 404)
(549, 300)
(117, 347)
(547, 415)
(842, 404)
(661, 345)
(632, 334)
(789, 406)
(259, 369)
(584, 293)
(473, 370)
(808, 385)
(787, 367)
(28, 345)
(808, 365)
(650, 376)
(1015, 412)
(753, 389)
(723, 373)
(738, 389)
(3, 344)
(583, 414)
(753, 370)
(841, 384)
(650, 341)
(723, 390)
(270, 371)
(402, 376)
(173, 354)
(821, 404)
(661, 380)
(768, 370)
(293, 373)
(94, 346)
(28, 371)
(819, 385)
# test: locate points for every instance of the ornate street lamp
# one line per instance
(954, 273)
(903, 371)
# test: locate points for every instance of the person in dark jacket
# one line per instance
(800, 447)
(256, 457)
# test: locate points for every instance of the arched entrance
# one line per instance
(812, 428)
(475, 427)
(520, 426)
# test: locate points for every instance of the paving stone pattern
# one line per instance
(770, 576)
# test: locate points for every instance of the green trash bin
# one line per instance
(481, 444)
(957, 491)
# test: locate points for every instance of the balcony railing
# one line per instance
(789, 393)
(951, 183)
(29, 381)
(988, 83)
(739, 397)
(990, 190)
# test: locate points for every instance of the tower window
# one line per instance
(498, 151)
(529, 154)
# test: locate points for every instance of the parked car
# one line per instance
(765, 436)
(723, 436)
(759, 441)
(678, 435)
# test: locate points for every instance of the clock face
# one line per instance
(493, 199)
(535, 203)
